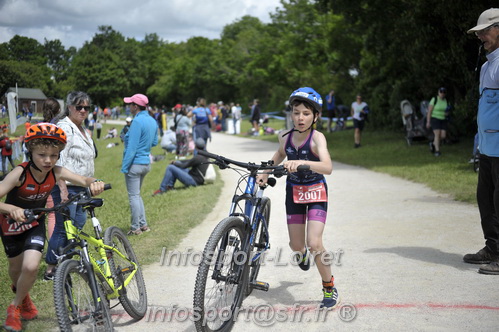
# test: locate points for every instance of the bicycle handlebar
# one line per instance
(32, 214)
(224, 162)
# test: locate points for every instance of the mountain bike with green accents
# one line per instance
(93, 270)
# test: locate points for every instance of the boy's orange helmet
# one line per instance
(45, 130)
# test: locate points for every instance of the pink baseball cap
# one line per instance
(138, 99)
(177, 106)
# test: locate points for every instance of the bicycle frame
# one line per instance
(100, 266)
(252, 196)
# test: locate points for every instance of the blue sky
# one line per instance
(75, 21)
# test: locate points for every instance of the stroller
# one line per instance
(342, 113)
(415, 126)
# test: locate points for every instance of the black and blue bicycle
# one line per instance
(232, 256)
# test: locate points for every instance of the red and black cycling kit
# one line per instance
(30, 194)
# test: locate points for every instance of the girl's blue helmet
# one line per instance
(307, 94)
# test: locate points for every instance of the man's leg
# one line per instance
(182, 174)
(168, 179)
(488, 197)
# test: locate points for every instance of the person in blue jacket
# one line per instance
(139, 140)
(487, 193)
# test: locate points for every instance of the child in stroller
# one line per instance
(414, 126)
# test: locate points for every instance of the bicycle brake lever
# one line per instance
(221, 165)
(30, 217)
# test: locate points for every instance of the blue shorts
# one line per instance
(300, 213)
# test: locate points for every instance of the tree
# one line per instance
(108, 67)
(25, 49)
(409, 49)
(24, 74)
(58, 58)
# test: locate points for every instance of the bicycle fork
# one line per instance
(85, 261)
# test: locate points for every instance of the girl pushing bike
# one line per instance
(306, 191)
(27, 187)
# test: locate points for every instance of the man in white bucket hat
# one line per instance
(487, 30)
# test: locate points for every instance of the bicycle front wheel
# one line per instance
(221, 277)
(133, 296)
(74, 304)
(260, 242)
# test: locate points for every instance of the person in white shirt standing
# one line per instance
(358, 113)
(78, 157)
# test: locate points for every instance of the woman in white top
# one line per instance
(358, 113)
(78, 157)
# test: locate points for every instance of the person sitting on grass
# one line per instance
(169, 140)
(28, 186)
(111, 133)
(190, 172)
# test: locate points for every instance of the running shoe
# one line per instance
(28, 309)
(330, 298)
(13, 321)
(303, 260)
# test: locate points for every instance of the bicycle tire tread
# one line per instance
(201, 277)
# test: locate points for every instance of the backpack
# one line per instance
(210, 175)
(8, 145)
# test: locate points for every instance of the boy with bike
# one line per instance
(27, 187)
(306, 191)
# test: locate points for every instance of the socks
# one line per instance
(328, 285)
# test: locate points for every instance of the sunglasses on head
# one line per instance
(79, 108)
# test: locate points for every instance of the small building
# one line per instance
(28, 99)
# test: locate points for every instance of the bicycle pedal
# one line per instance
(262, 245)
(260, 285)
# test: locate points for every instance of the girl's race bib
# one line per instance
(309, 194)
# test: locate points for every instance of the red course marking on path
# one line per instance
(383, 305)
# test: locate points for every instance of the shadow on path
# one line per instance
(425, 254)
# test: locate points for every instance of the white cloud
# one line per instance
(76, 21)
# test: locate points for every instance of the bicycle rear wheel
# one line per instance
(260, 244)
(133, 296)
(221, 277)
(74, 304)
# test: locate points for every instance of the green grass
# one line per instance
(172, 215)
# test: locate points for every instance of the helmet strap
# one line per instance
(301, 132)
(31, 163)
